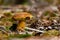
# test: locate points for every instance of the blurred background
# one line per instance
(16, 2)
(45, 12)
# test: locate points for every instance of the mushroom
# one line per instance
(21, 17)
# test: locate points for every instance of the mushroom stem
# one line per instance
(21, 25)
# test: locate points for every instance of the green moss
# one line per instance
(20, 36)
(52, 33)
(53, 15)
(46, 13)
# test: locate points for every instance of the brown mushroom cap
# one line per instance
(22, 15)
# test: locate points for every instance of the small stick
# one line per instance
(34, 29)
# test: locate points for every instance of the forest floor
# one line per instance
(38, 38)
